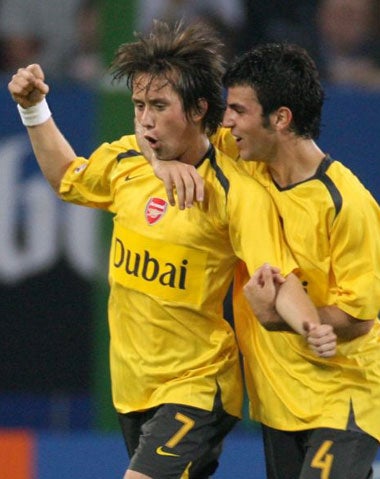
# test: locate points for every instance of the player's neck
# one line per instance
(198, 149)
(295, 162)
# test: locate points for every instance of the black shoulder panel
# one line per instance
(127, 154)
(223, 180)
(330, 185)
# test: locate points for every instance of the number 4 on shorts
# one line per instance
(322, 460)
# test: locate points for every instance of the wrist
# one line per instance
(269, 318)
(36, 114)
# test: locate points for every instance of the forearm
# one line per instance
(271, 320)
(53, 153)
(346, 327)
(294, 306)
(282, 305)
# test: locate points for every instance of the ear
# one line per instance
(282, 118)
(198, 114)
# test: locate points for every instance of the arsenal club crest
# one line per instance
(155, 210)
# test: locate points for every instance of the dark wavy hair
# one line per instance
(188, 57)
(282, 75)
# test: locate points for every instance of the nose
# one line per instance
(146, 118)
(227, 121)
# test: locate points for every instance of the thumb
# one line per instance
(266, 271)
(36, 70)
(308, 327)
(40, 87)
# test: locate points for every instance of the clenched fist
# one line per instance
(28, 86)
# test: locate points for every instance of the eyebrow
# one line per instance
(236, 105)
(158, 99)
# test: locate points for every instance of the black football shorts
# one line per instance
(319, 454)
(175, 441)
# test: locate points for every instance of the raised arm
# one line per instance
(53, 153)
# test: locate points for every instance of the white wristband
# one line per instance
(36, 114)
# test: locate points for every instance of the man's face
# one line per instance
(159, 111)
(243, 116)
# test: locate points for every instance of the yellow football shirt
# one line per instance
(332, 225)
(169, 273)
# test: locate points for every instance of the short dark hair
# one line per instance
(189, 58)
(282, 74)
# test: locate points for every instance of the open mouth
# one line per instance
(153, 142)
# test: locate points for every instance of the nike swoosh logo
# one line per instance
(161, 452)
(129, 177)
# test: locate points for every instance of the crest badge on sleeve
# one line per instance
(155, 210)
